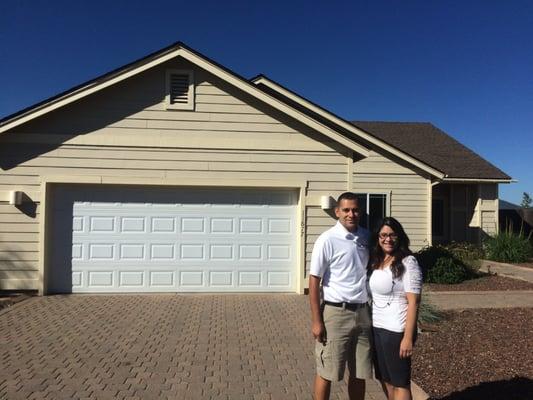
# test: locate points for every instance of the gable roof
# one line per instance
(178, 49)
(434, 147)
(351, 135)
(419, 141)
(335, 122)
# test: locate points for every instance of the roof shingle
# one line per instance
(429, 144)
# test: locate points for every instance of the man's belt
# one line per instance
(347, 306)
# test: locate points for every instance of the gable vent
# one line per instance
(180, 90)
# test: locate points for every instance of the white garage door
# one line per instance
(161, 240)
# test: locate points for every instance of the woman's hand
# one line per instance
(406, 348)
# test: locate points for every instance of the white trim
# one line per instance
(85, 91)
(429, 217)
(323, 113)
(480, 180)
(350, 171)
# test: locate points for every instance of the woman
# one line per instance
(395, 285)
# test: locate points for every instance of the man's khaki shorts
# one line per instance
(348, 338)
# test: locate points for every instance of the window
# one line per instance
(373, 209)
(180, 90)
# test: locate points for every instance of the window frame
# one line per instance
(387, 195)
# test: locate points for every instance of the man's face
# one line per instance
(347, 211)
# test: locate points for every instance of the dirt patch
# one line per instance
(477, 354)
(483, 283)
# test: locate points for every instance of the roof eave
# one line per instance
(480, 180)
(175, 50)
(262, 79)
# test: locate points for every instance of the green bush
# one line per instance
(508, 247)
(448, 270)
(428, 256)
(469, 254)
(466, 256)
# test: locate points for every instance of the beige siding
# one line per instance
(19, 237)
(488, 205)
(317, 221)
(407, 191)
(125, 131)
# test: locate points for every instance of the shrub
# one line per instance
(465, 260)
(428, 256)
(469, 254)
(448, 270)
(509, 247)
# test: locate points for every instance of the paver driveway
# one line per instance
(159, 347)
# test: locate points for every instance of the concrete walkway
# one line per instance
(455, 300)
(508, 270)
(486, 299)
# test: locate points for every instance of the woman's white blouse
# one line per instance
(389, 303)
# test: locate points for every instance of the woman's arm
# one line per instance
(406, 345)
(412, 282)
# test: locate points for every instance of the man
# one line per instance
(341, 325)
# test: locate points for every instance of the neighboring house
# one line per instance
(174, 174)
(515, 218)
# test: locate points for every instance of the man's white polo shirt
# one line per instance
(340, 258)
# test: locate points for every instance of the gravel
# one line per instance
(477, 354)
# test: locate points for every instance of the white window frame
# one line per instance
(368, 194)
(190, 95)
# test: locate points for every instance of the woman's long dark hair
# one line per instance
(400, 251)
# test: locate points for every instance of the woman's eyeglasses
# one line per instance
(391, 236)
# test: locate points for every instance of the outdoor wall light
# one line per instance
(327, 202)
(15, 197)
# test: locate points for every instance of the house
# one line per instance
(515, 218)
(174, 174)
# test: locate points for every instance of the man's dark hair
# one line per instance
(346, 196)
(401, 247)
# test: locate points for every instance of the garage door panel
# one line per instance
(133, 243)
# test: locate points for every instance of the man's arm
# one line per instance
(317, 324)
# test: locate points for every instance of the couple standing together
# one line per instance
(346, 330)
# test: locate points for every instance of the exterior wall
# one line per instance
(470, 210)
(407, 190)
(464, 219)
(488, 208)
(125, 132)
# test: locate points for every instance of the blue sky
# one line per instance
(466, 66)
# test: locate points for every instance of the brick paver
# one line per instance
(159, 347)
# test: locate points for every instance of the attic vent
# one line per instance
(180, 90)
